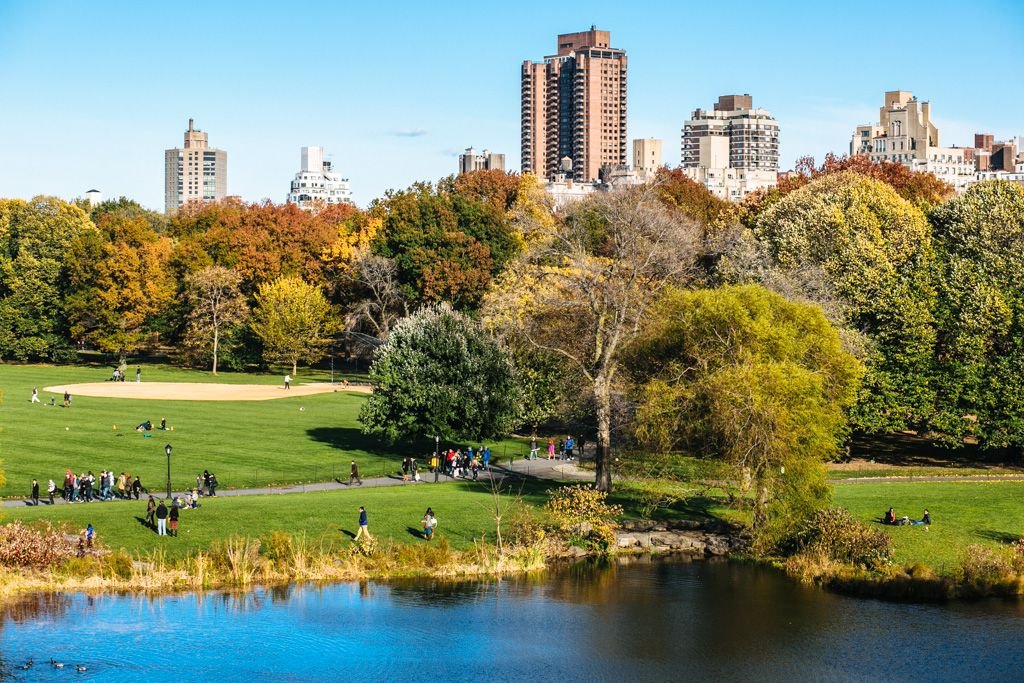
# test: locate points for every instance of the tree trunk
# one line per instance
(295, 368)
(603, 453)
(216, 345)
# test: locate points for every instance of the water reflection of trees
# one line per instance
(34, 607)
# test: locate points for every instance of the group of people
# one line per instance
(147, 426)
(207, 481)
(566, 448)
(121, 373)
(87, 487)
(159, 514)
(456, 462)
(429, 522)
(890, 518)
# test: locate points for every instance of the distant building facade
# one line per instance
(470, 161)
(316, 185)
(733, 149)
(94, 197)
(905, 134)
(574, 105)
(194, 172)
(646, 156)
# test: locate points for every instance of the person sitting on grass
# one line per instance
(889, 517)
(926, 519)
(145, 426)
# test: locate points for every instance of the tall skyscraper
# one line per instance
(195, 172)
(574, 107)
(733, 149)
(316, 185)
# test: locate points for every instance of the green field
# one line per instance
(245, 443)
(963, 513)
(462, 511)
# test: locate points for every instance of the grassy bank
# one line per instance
(246, 443)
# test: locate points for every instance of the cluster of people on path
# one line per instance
(456, 462)
(87, 487)
(206, 482)
(890, 518)
(566, 449)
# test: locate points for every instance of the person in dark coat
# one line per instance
(161, 519)
(35, 492)
(173, 516)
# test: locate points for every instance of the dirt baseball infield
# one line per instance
(195, 391)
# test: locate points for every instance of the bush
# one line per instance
(584, 516)
(37, 546)
(838, 536)
(984, 566)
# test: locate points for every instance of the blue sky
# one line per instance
(93, 92)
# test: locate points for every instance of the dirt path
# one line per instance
(198, 391)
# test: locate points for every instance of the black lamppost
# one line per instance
(167, 450)
(437, 460)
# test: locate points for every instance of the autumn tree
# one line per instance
(582, 291)
(118, 282)
(743, 375)
(439, 373)
(291, 318)
(874, 250)
(35, 243)
(217, 306)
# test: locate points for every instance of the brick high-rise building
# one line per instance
(195, 172)
(574, 106)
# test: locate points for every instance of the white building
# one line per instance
(94, 197)
(487, 161)
(316, 185)
(732, 150)
(906, 135)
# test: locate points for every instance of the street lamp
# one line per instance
(437, 460)
(167, 450)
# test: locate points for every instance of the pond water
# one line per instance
(648, 621)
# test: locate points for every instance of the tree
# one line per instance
(217, 305)
(980, 315)
(439, 373)
(291, 319)
(743, 375)
(35, 241)
(582, 290)
(874, 249)
(381, 301)
(119, 282)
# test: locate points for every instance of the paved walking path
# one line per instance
(540, 469)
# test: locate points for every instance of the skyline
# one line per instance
(391, 113)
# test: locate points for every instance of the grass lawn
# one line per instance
(394, 512)
(245, 443)
(963, 513)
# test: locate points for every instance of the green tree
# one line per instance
(35, 242)
(980, 348)
(291, 319)
(440, 374)
(581, 290)
(217, 307)
(743, 375)
(875, 252)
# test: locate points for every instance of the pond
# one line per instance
(642, 621)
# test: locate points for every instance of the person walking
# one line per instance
(533, 447)
(51, 488)
(405, 469)
(173, 516)
(138, 374)
(151, 512)
(287, 382)
(414, 469)
(570, 444)
(353, 474)
(551, 448)
(364, 525)
(35, 492)
(161, 519)
(429, 522)
(137, 487)
(35, 395)
(213, 484)
(67, 398)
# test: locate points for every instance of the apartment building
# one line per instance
(194, 172)
(574, 105)
(733, 149)
(646, 156)
(316, 185)
(470, 161)
(905, 134)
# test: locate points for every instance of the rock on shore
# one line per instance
(700, 539)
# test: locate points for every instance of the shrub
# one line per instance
(584, 516)
(983, 565)
(837, 535)
(37, 546)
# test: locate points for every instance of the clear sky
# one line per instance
(93, 92)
